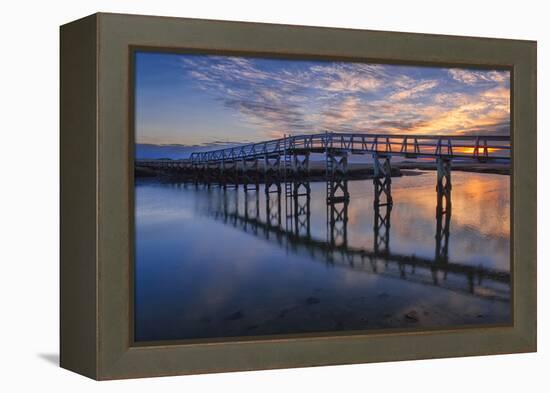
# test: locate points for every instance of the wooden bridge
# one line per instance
(287, 161)
(481, 148)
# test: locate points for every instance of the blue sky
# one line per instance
(203, 100)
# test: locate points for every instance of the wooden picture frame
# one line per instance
(97, 195)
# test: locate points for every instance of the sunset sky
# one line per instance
(203, 100)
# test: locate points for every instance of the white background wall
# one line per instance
(29, 242)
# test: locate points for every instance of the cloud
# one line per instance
(414, 90)
(279, 97)
(470, 77)
(263, 98)
(346, 77)
(485, 112)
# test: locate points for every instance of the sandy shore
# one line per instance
(477, 167)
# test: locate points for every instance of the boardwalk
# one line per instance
(479, 148)
(483, 147)
(287, 160)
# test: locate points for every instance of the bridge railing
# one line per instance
(453, 146)
(483, 147)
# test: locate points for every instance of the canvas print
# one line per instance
(294, 196)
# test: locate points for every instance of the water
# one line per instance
(209, 266)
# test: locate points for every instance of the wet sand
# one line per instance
(329, 313)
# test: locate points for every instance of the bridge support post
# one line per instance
(337, 196)
(252, 207)
(444, 177)
(300, 164)
(382, 179)
(273, 207)
(382, 224)
(250, 174)
(297, 193)
(300, 218)
(196, 172)
(272, 174)
(229, 174)
(212, 173)
(230, 207)
(300, 173)
(203, 174)
(337, 222)
(336, 174)
(443, 210)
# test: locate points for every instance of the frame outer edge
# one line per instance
(525, 199)
(78, 197)
(118, 358)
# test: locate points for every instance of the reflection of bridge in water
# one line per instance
(283, 166)
(294, 234)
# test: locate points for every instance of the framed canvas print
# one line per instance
(240, 196)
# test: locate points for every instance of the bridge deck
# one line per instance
(480, 148)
